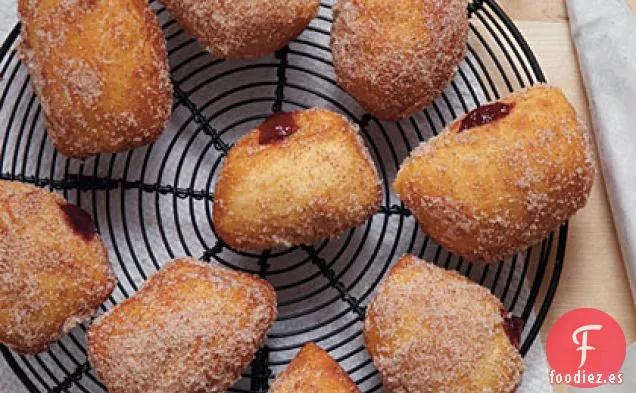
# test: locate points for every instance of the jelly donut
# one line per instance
(500, 178)
(100, 69)
(430, 330)
(242, 29)
(54, 269)
(297, 178)
(192, 327)
(313, 371)
(396, 57)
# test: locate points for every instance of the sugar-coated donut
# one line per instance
(54, 269)
(297, 178)
(313, 371)
(432, 331)
(192, 327)
(396, 57)
(502, 177)
(242, 29)
(100, 69)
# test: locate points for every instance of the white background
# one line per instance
(7, 17)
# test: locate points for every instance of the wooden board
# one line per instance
(540, 10)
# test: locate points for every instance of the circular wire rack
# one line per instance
(154, 203)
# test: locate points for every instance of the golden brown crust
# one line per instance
(54, 269)
(396, 57)
(488, 192)
(313, 371)
(313, 184)
(430, 330)
(192, 327)
(242, 29)
(100, 69)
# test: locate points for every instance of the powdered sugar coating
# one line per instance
(241, 29)
(396, 57)
(193, 327)
(313, 371)
(313, 184)
(488, 192)
(51, 278)
(429, 330)
(100, 69)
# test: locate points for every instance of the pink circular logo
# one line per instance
(586, 348)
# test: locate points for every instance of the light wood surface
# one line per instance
(594, 274)
(540, 10)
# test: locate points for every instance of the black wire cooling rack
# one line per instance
(154, 203)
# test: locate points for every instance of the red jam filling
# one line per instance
(80, 221)
(276, 128)
(485, 114)
(513, 326)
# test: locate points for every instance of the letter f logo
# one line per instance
(583, 344)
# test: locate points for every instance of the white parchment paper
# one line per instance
(604, 32)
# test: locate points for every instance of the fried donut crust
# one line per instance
(243, 29)
(100, 70)
(430, 330)
(396, 57)
(192, 327)
(54, 269)
(487, 191)
(313, 371)
(312, 184)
